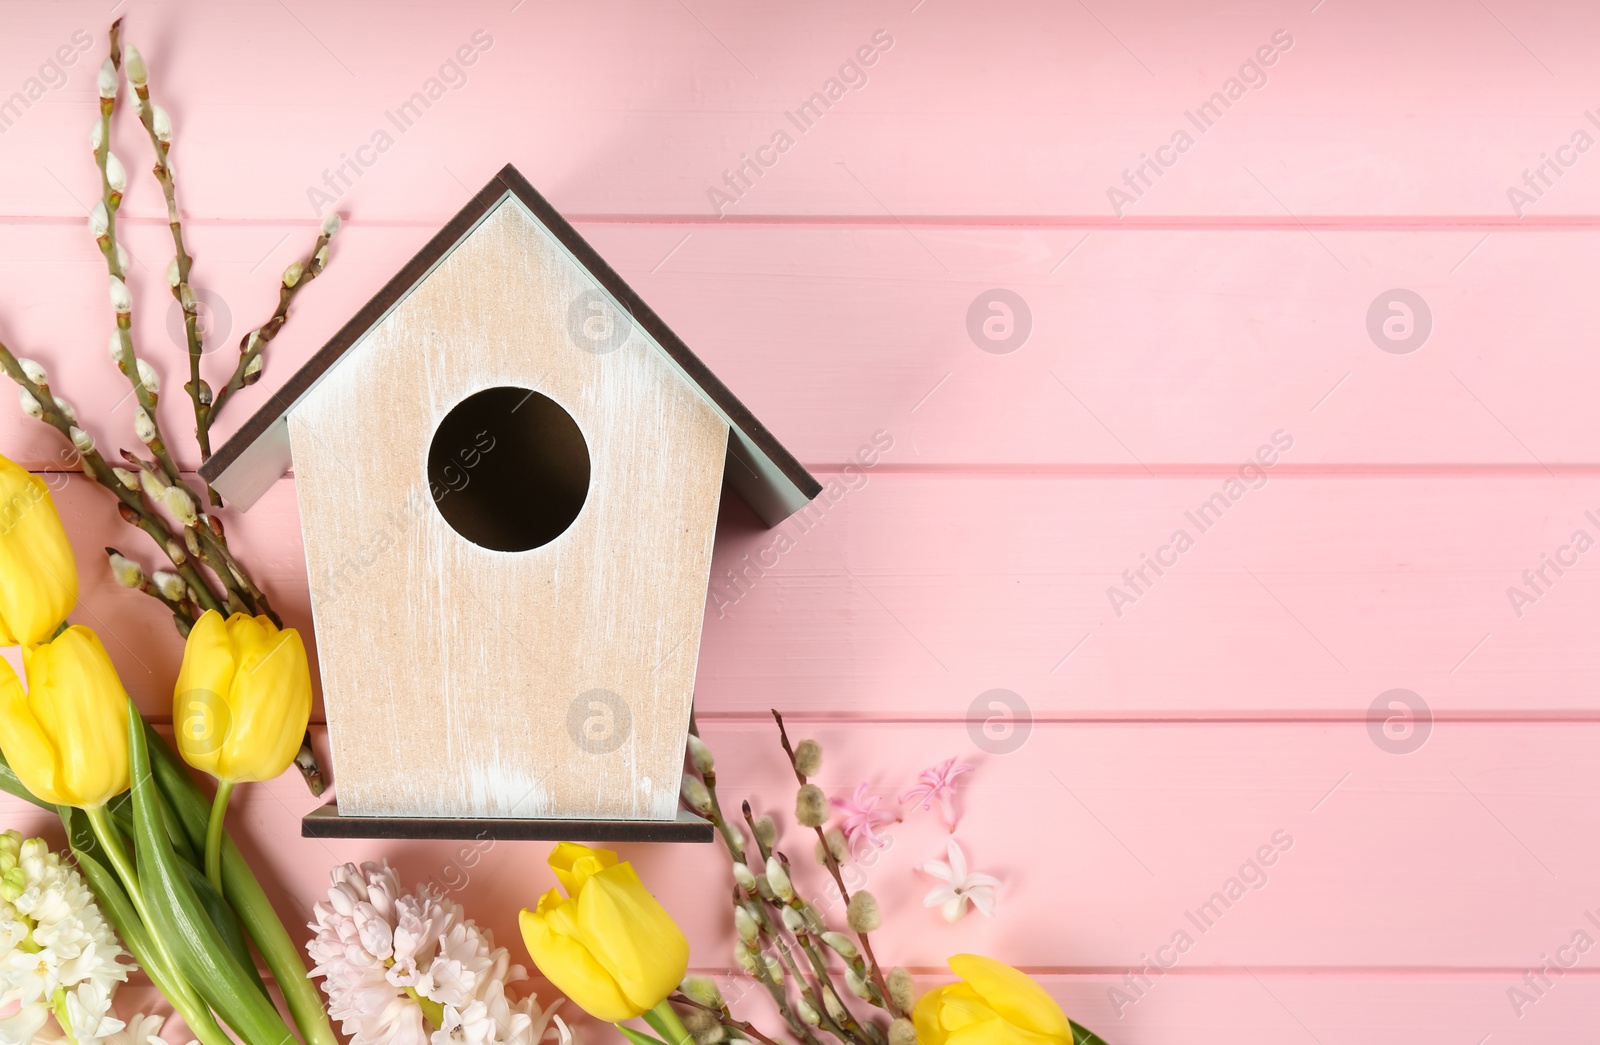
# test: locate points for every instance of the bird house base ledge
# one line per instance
(327, 823)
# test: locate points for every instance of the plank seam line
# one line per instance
(1082, 222)
(1518, 718)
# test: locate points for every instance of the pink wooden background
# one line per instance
(1228, 302)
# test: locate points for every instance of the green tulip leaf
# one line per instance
(181, 919)
(105, 885)
(636, 1037)
(1084, 1036)
(192, 809)
(226, 921)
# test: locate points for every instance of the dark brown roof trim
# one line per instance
(511, 180)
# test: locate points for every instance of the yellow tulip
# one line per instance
(41, 578)
(66, 738)
(607, 945)
(997, 1005)
(243, 697)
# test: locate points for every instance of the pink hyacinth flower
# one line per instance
(938, 785)
(860, 818)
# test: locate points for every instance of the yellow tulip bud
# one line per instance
(608, 945)
(41, 578)
(995, 1004)
(243, 697)
(66, 738)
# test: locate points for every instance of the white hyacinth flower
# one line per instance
(30, 405)
(961, 886)
(121, 300)
(106, 79)
(180, 504)
(99, 220)
(57, 954)
(170, 585)
(149, 378)
(133, 65)
(143, 427)
(81, 439)
(116, 175)
(330, 225)
(161, 123)
(34, 371)
(382, 951)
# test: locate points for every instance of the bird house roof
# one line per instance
(758, 467)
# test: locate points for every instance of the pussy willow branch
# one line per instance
(735, 842)
(131, 503)
(725, 1018)
(811, 992)
(832, 863)
(772, 930)
(203, 539)
(185, 261)
(248, 370)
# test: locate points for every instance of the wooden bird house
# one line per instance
(508, 471)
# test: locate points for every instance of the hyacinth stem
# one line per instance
(219, 812)
(832, 863)
(58, 1005)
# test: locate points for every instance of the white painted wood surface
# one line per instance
(461, 681)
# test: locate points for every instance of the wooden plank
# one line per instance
(1107, 838)
(1064, 100)
(913, 594)
(830, 334)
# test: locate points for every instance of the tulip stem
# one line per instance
(664, 1018)
(110, 838)
(219, 810)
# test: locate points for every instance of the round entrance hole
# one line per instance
(508, 469)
